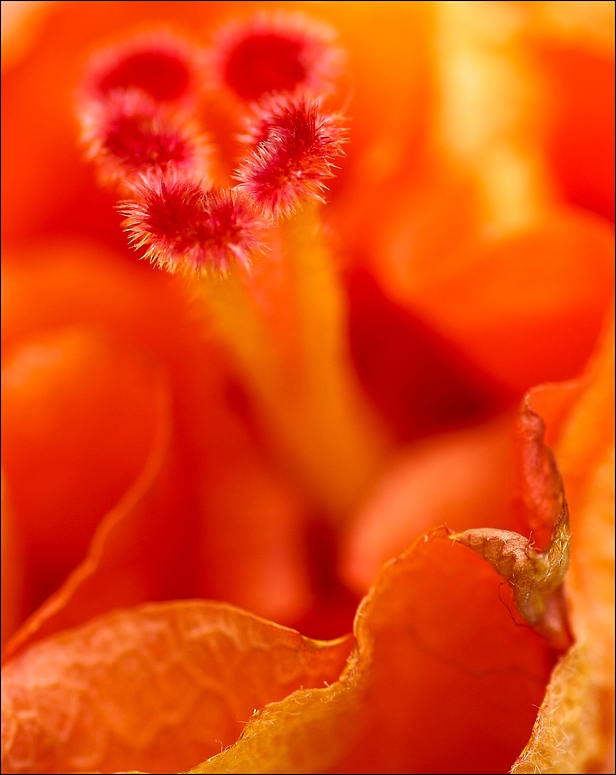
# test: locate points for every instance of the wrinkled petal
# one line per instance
(432, 635)
(478, 130)
(574, 731)
(156, 687)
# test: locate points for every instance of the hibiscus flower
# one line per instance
(326, 485)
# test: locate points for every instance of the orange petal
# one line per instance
(575, 728)
(154, 688)
(574, 46)
(81, 398)
(570, 732)
(540, 483)
(443, 681)
(79, 416)
(526, 308)
(217, 450)
(250, 543)
(419, 381)
(585, 453)
(13, 570)
(461, 479)
(118, 570)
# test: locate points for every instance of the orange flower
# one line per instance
(338, 434)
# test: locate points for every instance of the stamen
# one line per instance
(317, 411)
(297, 144)
(162, 65)
(275, 52)
(129, 134)
(189, 229)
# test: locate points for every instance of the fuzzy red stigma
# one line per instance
(186, 228)
(297, 144)
(274, 52)
(129, 134)
(162, 65)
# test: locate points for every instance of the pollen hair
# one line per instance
(188, 228)
(296, 144)
(274, 52)
(129, 133)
